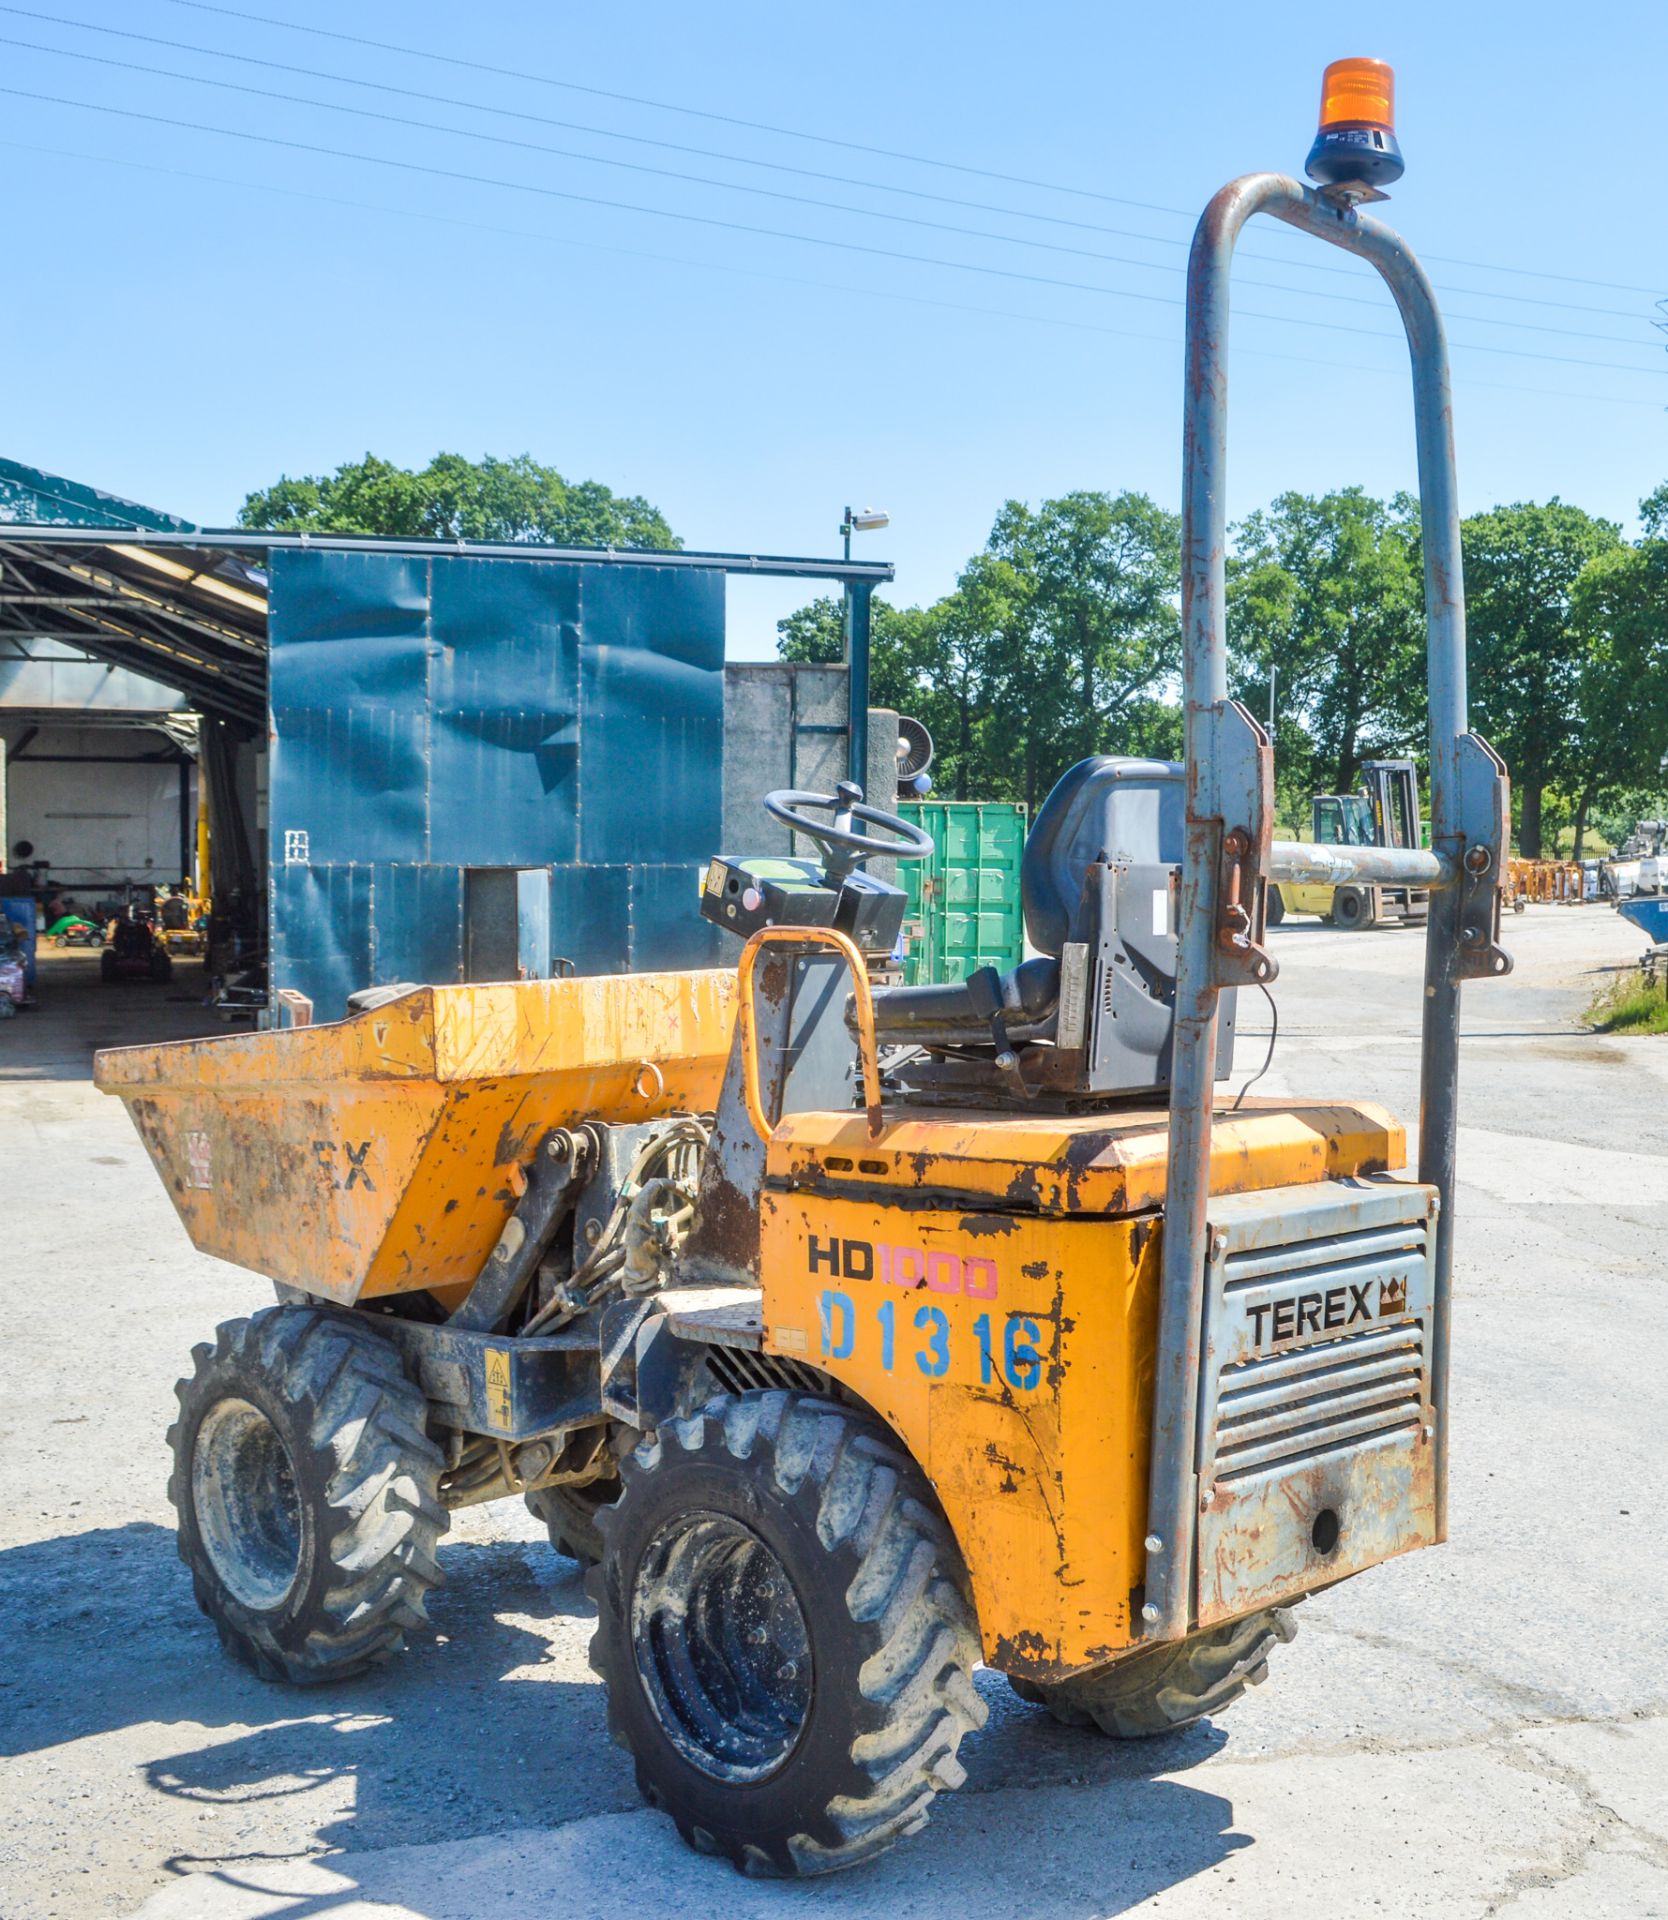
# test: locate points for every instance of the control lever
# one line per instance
(984, 989)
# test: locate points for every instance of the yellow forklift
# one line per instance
(859, 1335)
(1384, 813)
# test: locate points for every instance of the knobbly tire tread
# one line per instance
(1170, 1686)
(893, 1660)
(367, 1474)
(569, 1516)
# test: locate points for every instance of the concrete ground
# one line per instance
(1477, 1730)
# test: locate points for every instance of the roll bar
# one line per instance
(1230, 854)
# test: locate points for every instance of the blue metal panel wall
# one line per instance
(321, 933)
(430, 715)
(416, 924)
(504, 687)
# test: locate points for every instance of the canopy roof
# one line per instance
(188, 605)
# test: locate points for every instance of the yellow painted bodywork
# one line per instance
(381, 1153)
(1305, 898)
(986, 1281)
(1009, 1340)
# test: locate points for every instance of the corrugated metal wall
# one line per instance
(964, 903)
(431, 715)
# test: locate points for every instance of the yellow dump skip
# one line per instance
(381, 1153)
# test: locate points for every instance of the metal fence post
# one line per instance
(857, 688)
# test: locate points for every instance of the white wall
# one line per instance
(96, 820)
(49, 673)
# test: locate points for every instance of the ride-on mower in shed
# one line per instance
(1034, 1348)
(133, 952)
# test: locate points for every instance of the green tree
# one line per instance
(508, 502)
(1080, 607)
(815, 635)
(900, 649)
(1619, 611)
(1531, 652)
(1325, 593)
(1062, 639)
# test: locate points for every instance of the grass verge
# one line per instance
(1629, 1004)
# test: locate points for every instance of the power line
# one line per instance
(821, 139)
(671, 106)
(610, 133)
(600, 160)
(475, 226)
(773, 233)
(795, 199)
(734, 159)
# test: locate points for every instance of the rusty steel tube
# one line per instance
(1173, 1494)
(1333, 866)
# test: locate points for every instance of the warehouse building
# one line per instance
(418, 760)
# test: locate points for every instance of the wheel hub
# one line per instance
(247, 1509)
(721, 1646)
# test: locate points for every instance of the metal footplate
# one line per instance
(1315, 1452)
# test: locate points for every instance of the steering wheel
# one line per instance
(843, 847)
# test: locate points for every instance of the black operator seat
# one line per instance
(1109, 808)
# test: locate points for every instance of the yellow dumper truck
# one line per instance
(857, 1335)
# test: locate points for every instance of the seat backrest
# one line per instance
(1107, 808)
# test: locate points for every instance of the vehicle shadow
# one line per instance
(1065, 1853)
(102, 1637)
(469, 1775)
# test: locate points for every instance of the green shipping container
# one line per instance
(964, 906)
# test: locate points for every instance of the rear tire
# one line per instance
(307, 1491)
(569, 1515)
(1169, 1686)
(1274, 910)
(785, 1633)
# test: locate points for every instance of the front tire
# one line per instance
(785, 1633)
(1169, 1686)
(1352, 908)
(307, 1491)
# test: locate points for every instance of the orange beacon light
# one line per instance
(1356, 142)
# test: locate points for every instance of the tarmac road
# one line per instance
(1477, 1730)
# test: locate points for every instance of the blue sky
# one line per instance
(190, 314)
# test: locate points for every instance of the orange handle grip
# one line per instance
(747, 1026)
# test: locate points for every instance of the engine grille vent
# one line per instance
(1291, 1407)
(1316, 1432)
(1321, 1339)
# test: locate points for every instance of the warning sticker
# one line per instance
(199, 1160)
(500, 1410)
